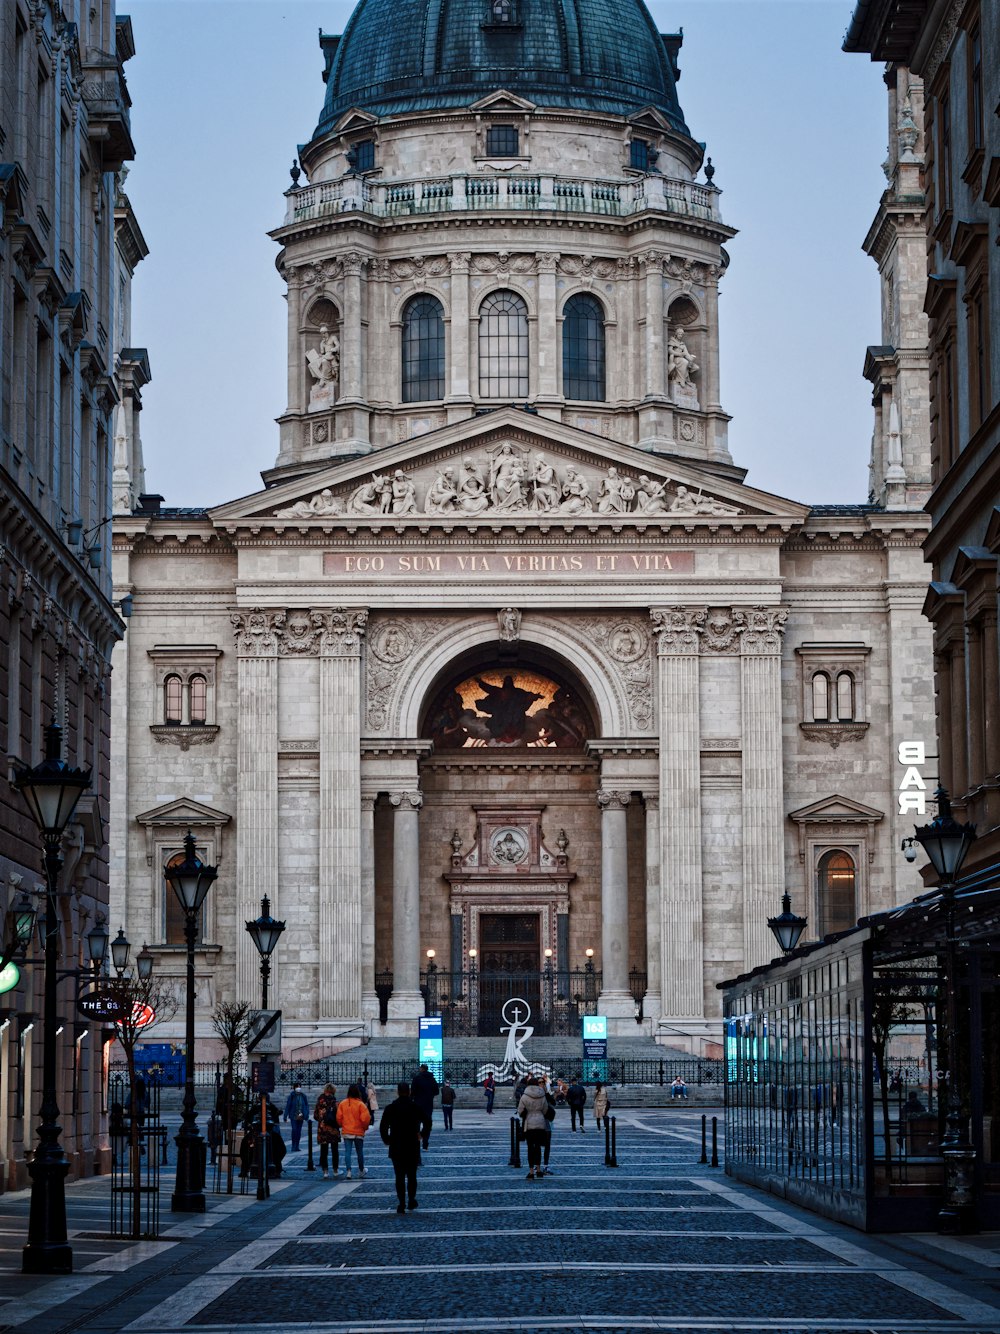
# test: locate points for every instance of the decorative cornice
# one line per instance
(833, 733)
(185, 736)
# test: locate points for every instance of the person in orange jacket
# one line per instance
(354, 1118)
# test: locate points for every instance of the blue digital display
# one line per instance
(430, 1046)
(595, 1027)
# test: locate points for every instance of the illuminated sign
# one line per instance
(595, 1046)
(595, 1027)
(430, 1043)
(912, 788)
(9, 977)
(101, 1005)
(142, 1015)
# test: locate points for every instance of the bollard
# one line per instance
(607, 1141)
(715, 1141)
(515, 1144)
(163, 1160)
(704, 1139)
(614, 1149)
(310, 1165)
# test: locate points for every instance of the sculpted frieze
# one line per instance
(625, 645)
(391, 644)
(510, 479)
(298, 633)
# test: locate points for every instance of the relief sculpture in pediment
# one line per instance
(511, 479)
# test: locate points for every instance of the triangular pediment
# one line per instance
(836, 810)
(183, 811)
(510, 466)
(650, 119)
(502, 100)
(355, 119)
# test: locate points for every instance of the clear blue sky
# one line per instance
(223, 93)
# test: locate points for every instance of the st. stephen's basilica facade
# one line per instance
(506, 662)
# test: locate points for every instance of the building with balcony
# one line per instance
(70, 394)
(506, 667)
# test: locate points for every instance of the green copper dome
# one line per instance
(399, 56)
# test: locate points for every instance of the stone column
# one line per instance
(369, 998)
(549, 347)
(710, 381)
(256, 789)
(458, 362)
(652, 1003)
(406, 1001)
(298, 392)
(677, 630)
(763, 804)
(616, 998)
(352, 329)
(656, 366)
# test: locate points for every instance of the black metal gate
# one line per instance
(472, 1003)
(138, 1148)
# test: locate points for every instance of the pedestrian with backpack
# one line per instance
(327, 1130)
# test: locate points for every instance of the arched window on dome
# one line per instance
(423, 349)
(836, 892)
(503, 346)
(583, 348)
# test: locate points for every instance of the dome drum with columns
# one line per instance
(506, 656)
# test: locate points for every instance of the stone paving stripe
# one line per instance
(966, 1248)
(177, 1311)
(959, 1303)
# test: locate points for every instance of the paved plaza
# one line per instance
(660, 1243)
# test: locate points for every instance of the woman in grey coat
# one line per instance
(531, 1109)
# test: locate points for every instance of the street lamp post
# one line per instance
(190, 880)
(947, 844)
(51, 790)
(265, 932)
(787, 927)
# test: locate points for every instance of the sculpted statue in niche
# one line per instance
(506, 480)
(509, 625)
(324, 366)
(681, 368)
(321, 506)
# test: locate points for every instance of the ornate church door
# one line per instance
(510, 963)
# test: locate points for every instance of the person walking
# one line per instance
(354, 1118)
(327, 1130)
(401, 1128)
(296, 1111)
(531, 1109)
(602, 1105)
(424, 1088)
(371, 1099)
(550, 1116)
(448, 1104)
(576, 1097)
(490, 1089)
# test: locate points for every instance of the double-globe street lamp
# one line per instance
(51, 790)
(190, 880)
(947, 844)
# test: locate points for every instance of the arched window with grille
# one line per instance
(423, 349)
(821, 697)
(503, 346)
(173, 701)
(836, 892)
(583, 348)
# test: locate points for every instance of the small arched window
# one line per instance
(821, 697)
(423, 350)
(845, 698)
(199, 700)
(173, 701)
(836, 892)
(503, 346)
(583, 348)
(173, 913)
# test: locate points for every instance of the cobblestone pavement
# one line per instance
(660, 1243)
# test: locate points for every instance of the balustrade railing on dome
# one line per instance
(464, 193)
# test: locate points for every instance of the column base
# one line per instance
(370, 1009)
(406, 1009)
(652, 1006)
(617, 1005)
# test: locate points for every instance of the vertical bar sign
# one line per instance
(430, 1045)
(595, 1046)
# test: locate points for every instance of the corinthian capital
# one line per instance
(761, 629)
(342, 633)
(257, 632)
(677, 629)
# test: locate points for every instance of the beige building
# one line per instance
(70, 383)
(507, 662)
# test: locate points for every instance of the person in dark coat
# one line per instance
(448, 1104)
(576, 1096)
(423, 1090)
(401, 1128)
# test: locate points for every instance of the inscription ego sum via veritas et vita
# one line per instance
(509, 564)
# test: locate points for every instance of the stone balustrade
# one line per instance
(501, 194)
